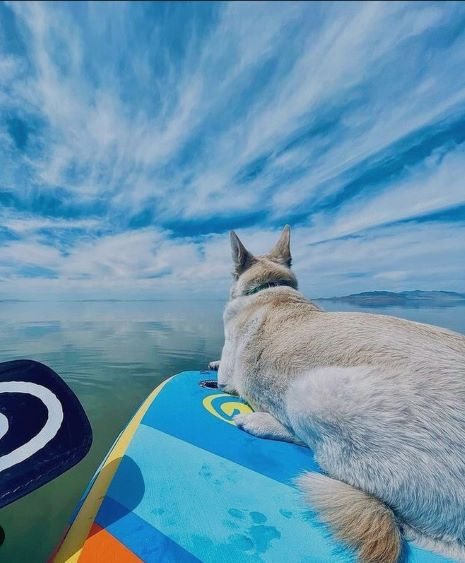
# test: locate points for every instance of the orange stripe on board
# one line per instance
(101, 547)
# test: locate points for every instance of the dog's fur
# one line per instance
(380, 401)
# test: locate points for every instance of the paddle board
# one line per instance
(182, 483)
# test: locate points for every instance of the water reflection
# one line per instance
(113, 354)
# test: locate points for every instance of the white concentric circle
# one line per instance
(48, 431)
(3, 425)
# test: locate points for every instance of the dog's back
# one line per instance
(379, 399)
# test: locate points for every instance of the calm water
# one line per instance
(113, 354)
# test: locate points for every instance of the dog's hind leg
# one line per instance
(264, 425)
(451, 549)
(334, 409)
(357, 518)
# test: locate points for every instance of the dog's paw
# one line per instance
(214, 366)
(264, 425)
(253, 423)
(244, 422)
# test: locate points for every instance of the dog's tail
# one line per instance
(360, 520)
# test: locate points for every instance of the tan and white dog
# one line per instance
(380, 401)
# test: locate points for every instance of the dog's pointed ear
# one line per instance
(242, 258)
(282, 250)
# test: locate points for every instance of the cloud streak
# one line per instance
(135, 135)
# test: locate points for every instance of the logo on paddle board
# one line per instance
(225, 407)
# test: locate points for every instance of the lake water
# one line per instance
(112, 354)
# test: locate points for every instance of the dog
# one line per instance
(380, 401)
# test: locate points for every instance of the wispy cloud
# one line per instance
(134, 136)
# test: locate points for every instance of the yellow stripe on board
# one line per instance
(70, 549)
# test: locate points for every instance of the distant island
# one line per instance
(414, 298)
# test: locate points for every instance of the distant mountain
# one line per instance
(415, 298)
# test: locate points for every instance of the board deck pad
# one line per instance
(187, 485)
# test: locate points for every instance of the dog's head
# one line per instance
(253, 273)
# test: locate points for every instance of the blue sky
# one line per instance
(133, 137)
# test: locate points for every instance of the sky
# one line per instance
(135, 136)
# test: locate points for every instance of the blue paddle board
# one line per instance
(182, 483)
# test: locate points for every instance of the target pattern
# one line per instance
(43, 428)
(44, 435)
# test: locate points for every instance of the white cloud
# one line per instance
(220, 108)
(423, 256)
(21, 223)
(437, 184)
